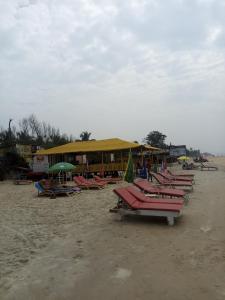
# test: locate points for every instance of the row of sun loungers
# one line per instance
(142, 198)
(108, 180)
(88, 184)
(133, 202)
(167, 175)
(161, 179)
(157, 191)
(96, 183)
(164, 200)
(180, 174)
(45, 188)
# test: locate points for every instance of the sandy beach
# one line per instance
(73, 248)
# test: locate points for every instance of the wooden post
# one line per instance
(82, 165)
(142, 157)
(121, 160)
(102, 167)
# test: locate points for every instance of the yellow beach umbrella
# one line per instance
(184, 158)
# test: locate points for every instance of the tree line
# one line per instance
(31, 131)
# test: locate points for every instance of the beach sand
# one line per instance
(73, 248)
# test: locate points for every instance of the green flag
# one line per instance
(129, 174)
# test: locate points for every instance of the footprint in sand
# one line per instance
(122, 273)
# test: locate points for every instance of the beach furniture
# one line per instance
(148, 187)
(172, 183)
(52, 192)
(58, 189)
(93, 181)
(49, 184)
(190, 166)
(152, 199)
(109, 180)
(177, 178)
(82, 183)
(128, 204)
(178, 175)
(22, 181)
(204, 167)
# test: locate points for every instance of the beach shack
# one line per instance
(95, 156)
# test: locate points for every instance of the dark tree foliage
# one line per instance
(156, 139)
(85, 136)
(7, 137)
(31, 131)
(14, 159)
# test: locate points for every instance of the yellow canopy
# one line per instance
(151, 148)
(90, 146)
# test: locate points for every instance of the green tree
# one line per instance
(156, 139)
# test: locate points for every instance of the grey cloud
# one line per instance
(152, 64)
(174, 24)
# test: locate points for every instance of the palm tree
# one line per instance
(85, 136)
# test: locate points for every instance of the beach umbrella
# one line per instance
(184, 158)
(129, 174)
(61, 166)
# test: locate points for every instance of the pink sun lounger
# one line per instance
(109, 180)
(171, 183)
(128, 204)
(168, 176)
(148, 187)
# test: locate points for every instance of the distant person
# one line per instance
(149, 168)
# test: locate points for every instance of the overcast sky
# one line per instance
(117, 68)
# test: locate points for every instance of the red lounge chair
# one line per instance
(178, 178)
(143, 198)
(182, 174)
(85, 184)
(172, 183)
(92, 181)
(130, 205)
(147, 187)
(109, 180)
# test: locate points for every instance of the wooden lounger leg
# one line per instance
(122, 215)
(170, 220)
(186, 199)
